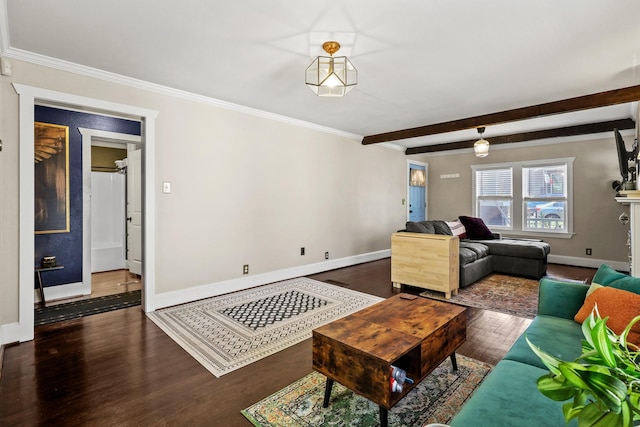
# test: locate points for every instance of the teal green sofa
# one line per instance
(509, 396)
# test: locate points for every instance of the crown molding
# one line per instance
(96, 73)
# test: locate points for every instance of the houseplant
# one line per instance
(603, 383)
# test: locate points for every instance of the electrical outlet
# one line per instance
(302, 251)
(326, 255)
(589, 251)
(245, 269)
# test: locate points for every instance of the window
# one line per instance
(526, 197)
(494, 196)
(544, 193)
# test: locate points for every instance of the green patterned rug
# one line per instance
(435, 400)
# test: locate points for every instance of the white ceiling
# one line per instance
(419, 61)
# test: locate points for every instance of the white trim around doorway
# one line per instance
(28, 97)
(87, 137)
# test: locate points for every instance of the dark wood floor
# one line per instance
(119, 369)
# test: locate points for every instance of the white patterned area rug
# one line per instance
(227, 332)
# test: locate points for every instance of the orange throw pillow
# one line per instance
(620, 306)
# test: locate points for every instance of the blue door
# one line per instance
(417, 192)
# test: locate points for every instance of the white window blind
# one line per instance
(494, 182)
(494, 196)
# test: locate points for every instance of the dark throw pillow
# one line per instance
(476, 228)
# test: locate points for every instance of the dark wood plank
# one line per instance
(600, 99)
(119, 368)
(530, 136)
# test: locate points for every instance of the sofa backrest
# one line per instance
(607, 276)
(429, 227)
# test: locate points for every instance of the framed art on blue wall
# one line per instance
(51, 178)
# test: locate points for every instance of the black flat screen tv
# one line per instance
(624, 156)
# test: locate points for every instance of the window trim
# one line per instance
(518, 215)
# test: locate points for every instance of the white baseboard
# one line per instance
(10, 333)
(183, 296)
(587, 262)
(52, 293)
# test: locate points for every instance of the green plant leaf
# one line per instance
(609, 389)
(627, 414)
(548, 360)
(555, 388)
(604, 381)
(592, 416)
(587, 325)
(573, 374)
(571, 410)
(602, 343)
(606, 388)
(625, 333)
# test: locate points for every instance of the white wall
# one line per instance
(245, 189)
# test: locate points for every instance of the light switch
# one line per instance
(166, 187)
(5, 67)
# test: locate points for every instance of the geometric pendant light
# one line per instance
(329, 75)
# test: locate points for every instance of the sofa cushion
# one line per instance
(478, 248)
(466, 255)
(618, 305)
(607, 276)
(518, 248)
(419, 227)
(471, 251)
(559, 337)
(476, 228)
(559, 298)
(441, 227)
(509, 397)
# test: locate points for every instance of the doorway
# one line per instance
(131, 143)
(417, 173)
(29, 96)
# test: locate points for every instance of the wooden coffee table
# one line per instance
(412, 333)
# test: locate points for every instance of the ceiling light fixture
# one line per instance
(329, 75)
(481, 147)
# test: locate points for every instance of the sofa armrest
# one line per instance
(560, 299)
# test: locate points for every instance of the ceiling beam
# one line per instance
(601, 99)
(530, 136)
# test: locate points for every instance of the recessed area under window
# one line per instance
(527, 198)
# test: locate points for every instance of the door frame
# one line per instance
(29, 97)
(407, 180)
(87, 138)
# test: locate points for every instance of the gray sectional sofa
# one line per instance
(482, 252)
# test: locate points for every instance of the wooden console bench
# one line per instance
(428, 261)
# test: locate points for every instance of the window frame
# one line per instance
(519, 212)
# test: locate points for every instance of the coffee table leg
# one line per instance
(384, 417)
(327, 392)
(454, 362)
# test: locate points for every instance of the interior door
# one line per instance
(417, 195)
(134, 211)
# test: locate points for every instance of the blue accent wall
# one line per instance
(67, 247)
